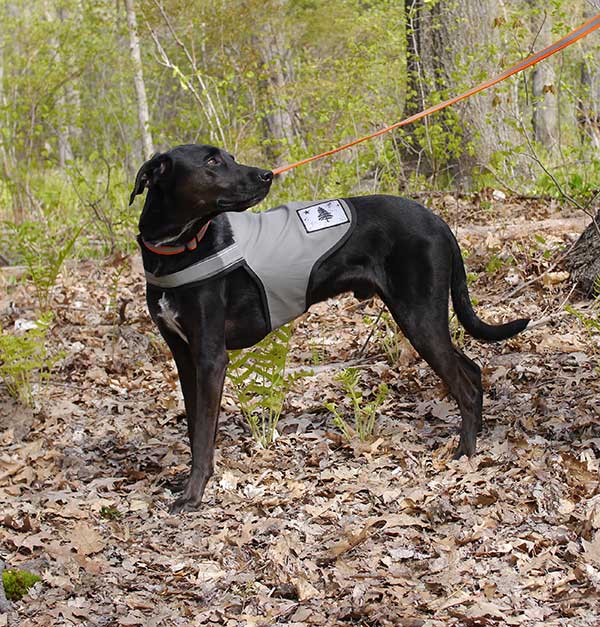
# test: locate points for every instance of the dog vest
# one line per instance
(281, 248)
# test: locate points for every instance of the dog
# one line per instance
(207, 293)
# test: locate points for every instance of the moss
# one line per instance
(17, 583)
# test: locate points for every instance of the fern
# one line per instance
(364, 413)
(43, 253)
(259, 379)
(25, 360)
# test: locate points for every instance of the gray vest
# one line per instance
(281, 247)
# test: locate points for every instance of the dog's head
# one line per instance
(195, 182)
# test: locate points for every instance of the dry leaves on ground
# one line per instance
(314, 531)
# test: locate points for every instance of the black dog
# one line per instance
(397, 249)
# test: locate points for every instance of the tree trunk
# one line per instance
(588, 105)
(584, 260)
(63, 128)
(72, 98)
(448, 46)
(543, 84)
(8, 152)
(278, 117)
(138, 80)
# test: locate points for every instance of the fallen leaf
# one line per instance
(86, 539)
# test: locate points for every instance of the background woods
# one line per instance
(88, 90)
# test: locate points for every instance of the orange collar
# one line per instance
(176, 250)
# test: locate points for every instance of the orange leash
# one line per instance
(571, 38)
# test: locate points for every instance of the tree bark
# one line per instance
(63, 128)
(543, 84)
(278, 117)
(447, 41)
(588, 105)
(584, 260)
(138, 80)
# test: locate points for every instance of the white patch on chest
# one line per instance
(168, 314)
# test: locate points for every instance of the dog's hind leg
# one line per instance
(426, 327)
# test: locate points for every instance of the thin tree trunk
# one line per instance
(63, 131)
(138, 79)
(69, 132)
(588, 107)
(543, 84)
(8, 154)
(279, 122)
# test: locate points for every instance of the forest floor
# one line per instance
(316, 530)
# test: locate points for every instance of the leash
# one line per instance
(571, 38)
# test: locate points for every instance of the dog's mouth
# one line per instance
(241, 204)
(244, 200)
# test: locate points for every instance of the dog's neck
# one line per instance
(156, 232)
(156, 229)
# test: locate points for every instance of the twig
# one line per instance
(533, 156)
(585, 208)
(539, 276)
(495, 174)
(192, 61)
(359, 354)
(558, 312)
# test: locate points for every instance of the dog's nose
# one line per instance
(266, 176)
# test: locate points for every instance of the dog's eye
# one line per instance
(213, 161)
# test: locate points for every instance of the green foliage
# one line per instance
(495, 263)
(308, 76)
(25, 361)
(259, 378)
(42, 248)
(110, 513)
(17, 583)
(364, 414)
(578, 183)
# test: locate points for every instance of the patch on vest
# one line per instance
(323, 216)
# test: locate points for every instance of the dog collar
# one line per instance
(176, 250)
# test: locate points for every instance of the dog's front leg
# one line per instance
(202, 416)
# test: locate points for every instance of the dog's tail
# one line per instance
(464, 310)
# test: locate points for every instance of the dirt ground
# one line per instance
(315, 530)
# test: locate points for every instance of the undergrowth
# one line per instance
(25, 361)
(260, 381)
(364, 414)
(591, 320)
(43, 252)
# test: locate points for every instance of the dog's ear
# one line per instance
(158, 167)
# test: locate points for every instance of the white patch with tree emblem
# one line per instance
(323, 216)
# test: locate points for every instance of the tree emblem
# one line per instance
(324, 215)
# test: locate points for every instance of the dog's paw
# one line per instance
(464, 449)
(184, 504)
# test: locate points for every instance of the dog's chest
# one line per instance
(167, 313)
(280, 248)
